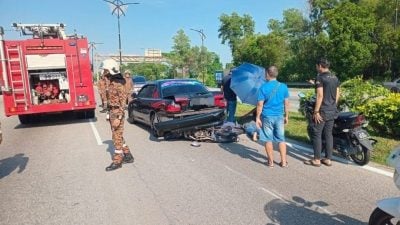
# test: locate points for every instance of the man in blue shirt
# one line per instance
(272, 114)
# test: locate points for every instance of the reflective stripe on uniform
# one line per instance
(118, 151)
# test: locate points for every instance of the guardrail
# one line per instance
(299, 85)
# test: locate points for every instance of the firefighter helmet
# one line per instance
(111, 65)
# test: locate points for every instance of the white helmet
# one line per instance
(111, 65)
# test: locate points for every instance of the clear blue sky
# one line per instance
(150, 24)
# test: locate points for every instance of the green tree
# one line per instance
(192, 61)
(262, 50)
(234, 28)
(152, 71)
(181, 53)
(386, 60)
(351, 46)
(303, 46)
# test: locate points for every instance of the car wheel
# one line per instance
(153, 120)
(131, 117)
(395, 90)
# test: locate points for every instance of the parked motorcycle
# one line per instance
(349, 137)
(388, 210)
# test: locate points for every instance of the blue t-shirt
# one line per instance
(276, 104)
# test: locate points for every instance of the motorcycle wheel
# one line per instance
(362, 156)
(379, 217)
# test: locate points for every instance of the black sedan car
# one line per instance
(172, 99)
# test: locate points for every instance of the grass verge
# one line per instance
(297, 129)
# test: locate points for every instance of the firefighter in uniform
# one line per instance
(128, 85)
(116, 104)
(103, 84)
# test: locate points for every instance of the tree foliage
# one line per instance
(234, 28)
(357, 36)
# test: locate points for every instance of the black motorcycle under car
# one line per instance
(350, 139)
(201, 127)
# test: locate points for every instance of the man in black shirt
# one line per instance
(230, 97)
(325, 112)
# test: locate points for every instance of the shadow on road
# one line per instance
(110, 147)
(244, 152)
(8, 165)
(300, 211)
(54, 120)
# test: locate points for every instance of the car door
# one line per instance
(145, 102)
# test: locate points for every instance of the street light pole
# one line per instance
(118, 8)
(92, 47)
(202, 36)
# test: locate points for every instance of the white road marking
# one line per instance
(95, 132)
(366, 167)
(277, 195)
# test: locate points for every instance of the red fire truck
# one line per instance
(47, 73)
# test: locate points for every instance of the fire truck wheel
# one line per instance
(24, 119)
(90, 114)
(85, 114)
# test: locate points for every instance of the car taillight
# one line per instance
(182, 101)
(220, 101)
(360, 119)
(173, 108)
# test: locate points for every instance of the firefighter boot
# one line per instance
(104, 108)
(128, 158)
(116, 164)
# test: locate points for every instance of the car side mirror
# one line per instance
(133, 95)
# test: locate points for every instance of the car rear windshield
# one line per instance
(139, 79)
(173, 88)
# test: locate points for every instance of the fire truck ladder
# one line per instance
(18, 86)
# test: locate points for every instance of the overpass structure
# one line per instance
(151, 55)
(132, 58)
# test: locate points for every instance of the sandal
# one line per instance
(311, 162)
(326, 162)
(270, 164)
(284, 165)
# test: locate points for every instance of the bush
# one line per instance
(357, 92)
(376, 102)
(383, 114)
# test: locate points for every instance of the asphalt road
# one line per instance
(53, 172)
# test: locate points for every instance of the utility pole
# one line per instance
(202, 36)
(92, 47)
(117, 8)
